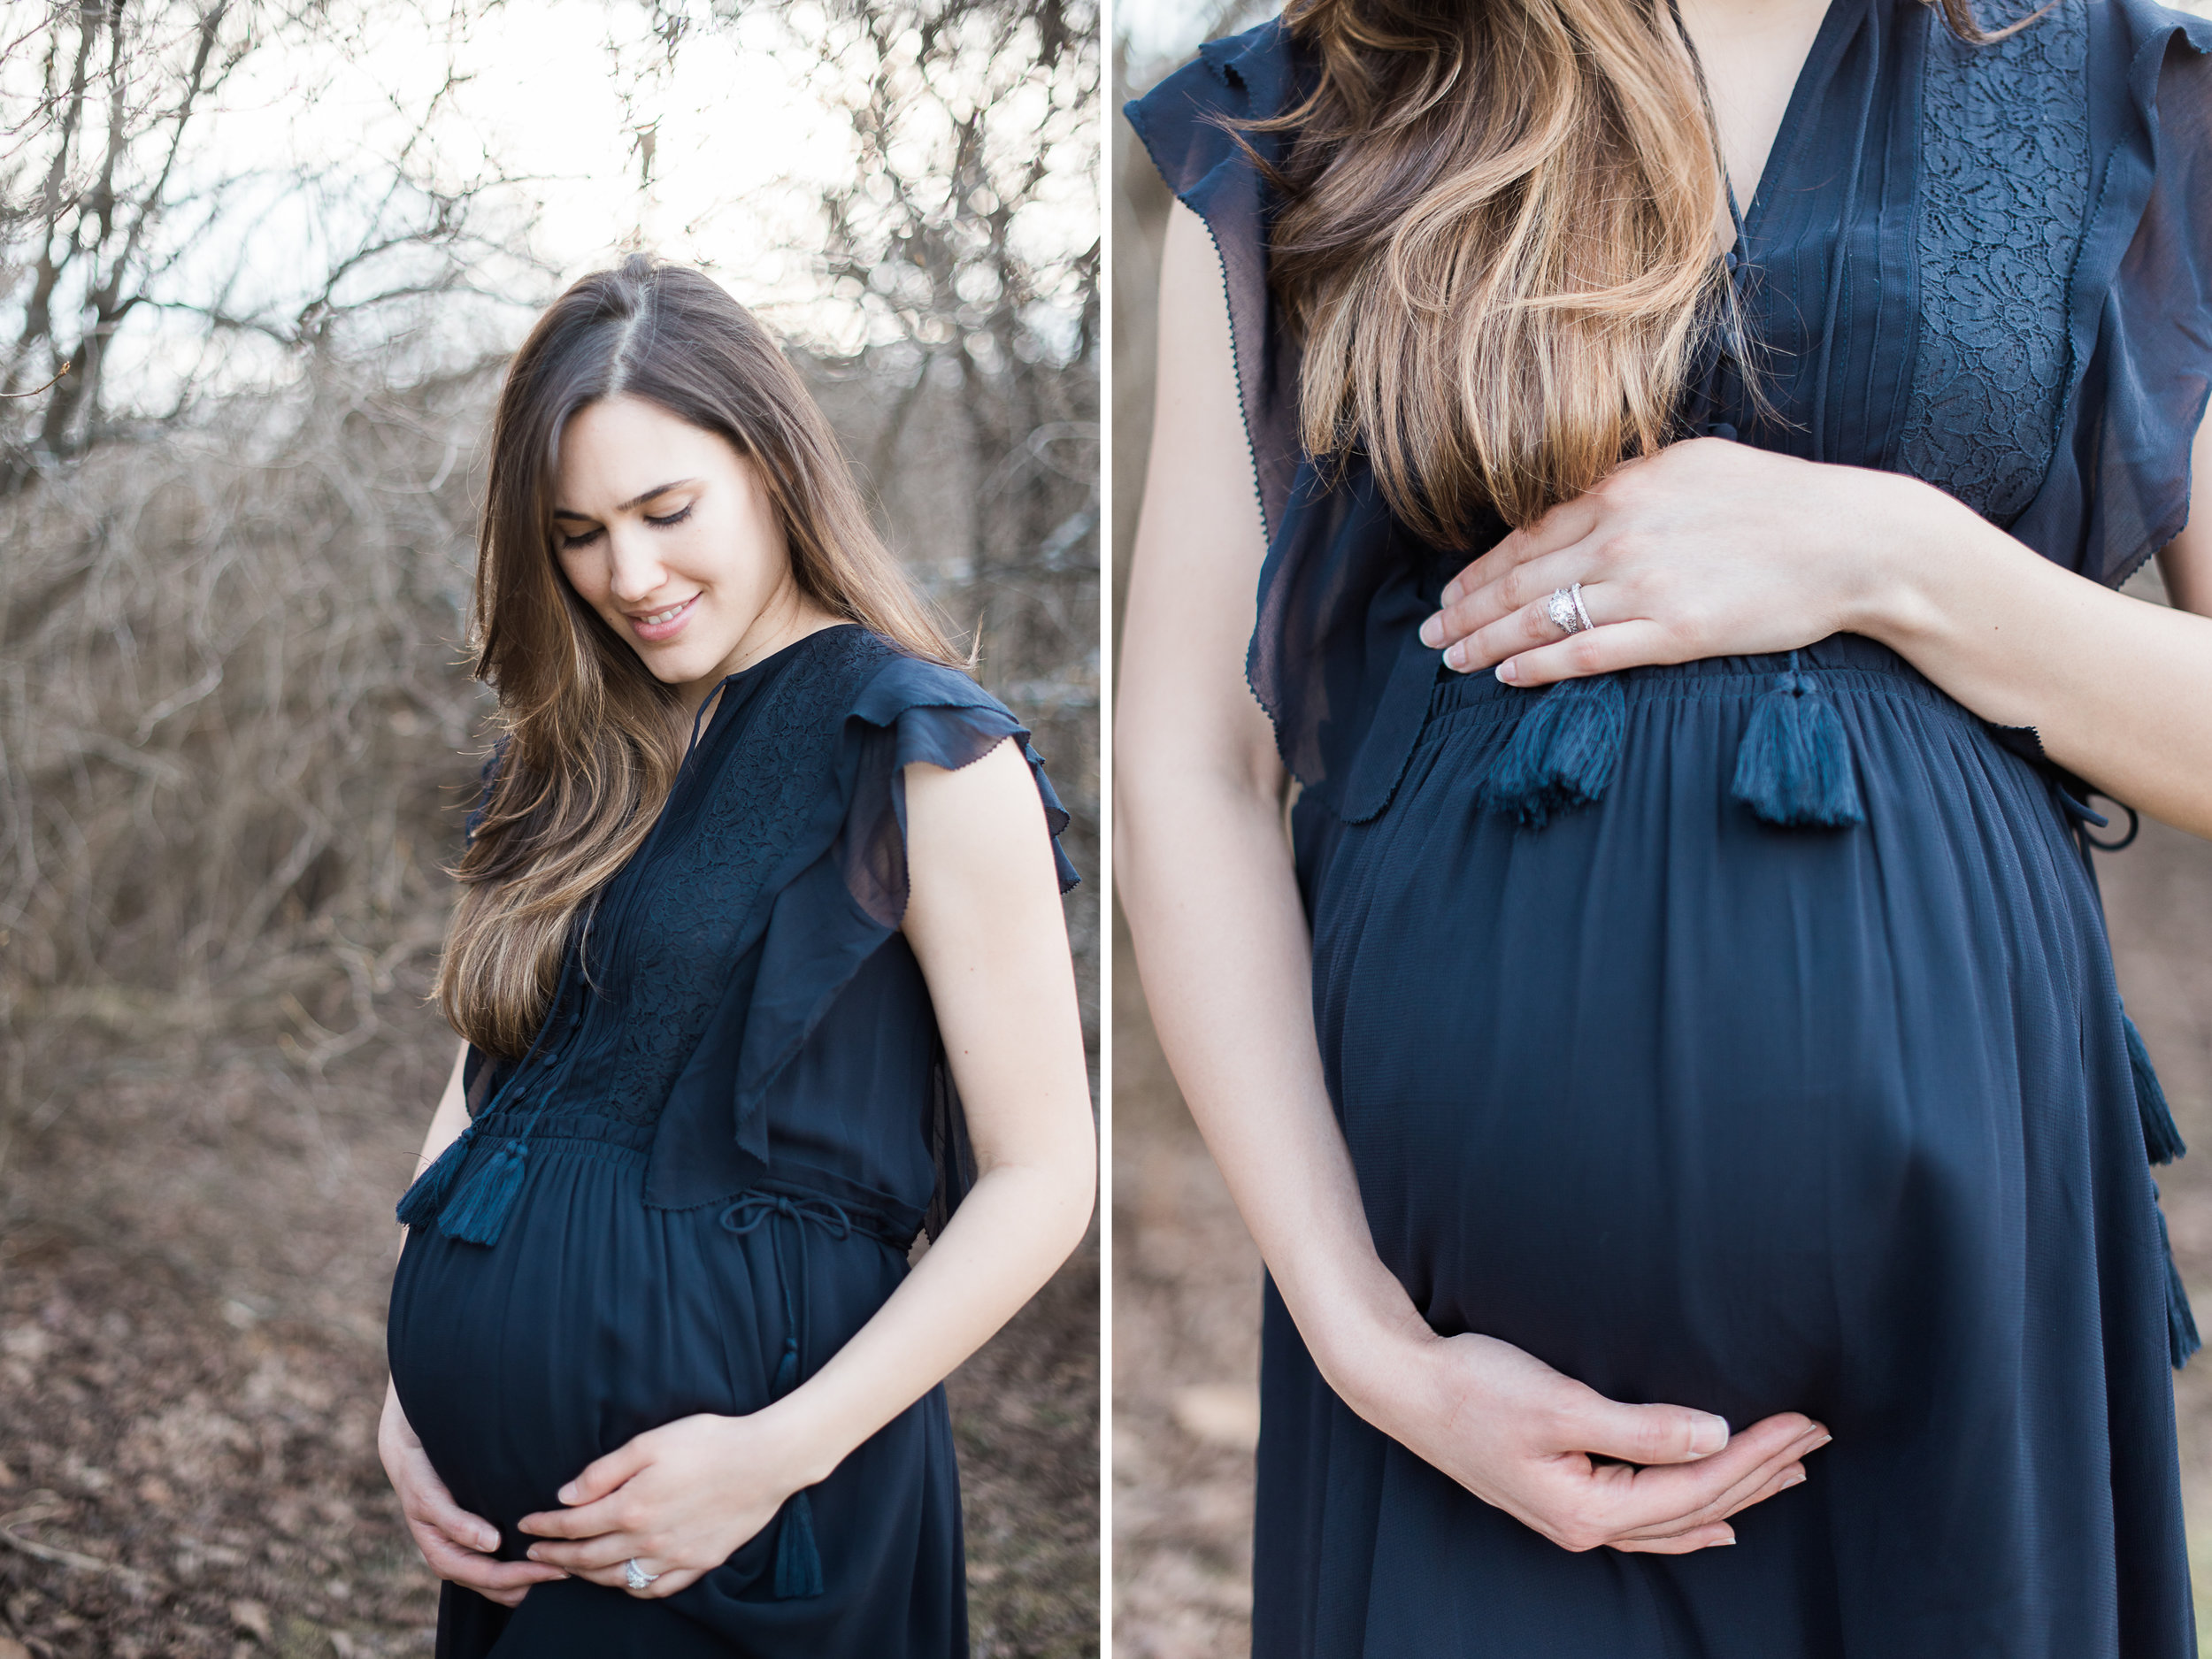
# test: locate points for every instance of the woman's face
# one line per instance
(665, 530)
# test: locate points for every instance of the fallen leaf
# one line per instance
(1220, 1414)
(251, 1617)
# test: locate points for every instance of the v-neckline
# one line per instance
(1811, 76)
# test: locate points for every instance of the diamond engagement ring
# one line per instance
(1565, 608)
(636, 1576)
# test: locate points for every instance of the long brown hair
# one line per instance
(592, 740)
(1497, 242)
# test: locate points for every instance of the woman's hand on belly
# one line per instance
(1707, 548)
(1523, 1438)
(678, 1500)
(456, 1545)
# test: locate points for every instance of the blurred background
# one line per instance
(1187, 1280)
(282, 250)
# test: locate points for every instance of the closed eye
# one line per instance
(678, 517)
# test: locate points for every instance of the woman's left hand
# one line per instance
(1707, 548)
(678, 1500)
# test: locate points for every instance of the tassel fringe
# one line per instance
(1560, 755)
(421, 1203)
(798, 1561)
(2182, 1339)
(1794, 766)
(2161, 1141)
(478, 1211)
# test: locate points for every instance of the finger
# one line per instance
(588, 1520)
(1639, 1434)
(1563, 525)
(604, 1474)
(1662, 1498)
(1606, 648)
(590, 1557)
(1503, 589)
(435, 1508)
(482, 1573)
(1680, 1544)
(1775, 1475)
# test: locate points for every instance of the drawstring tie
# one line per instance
(798, 1558)
(1794, 768)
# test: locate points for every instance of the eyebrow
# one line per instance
(634, 501)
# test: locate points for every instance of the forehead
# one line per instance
(613, 442)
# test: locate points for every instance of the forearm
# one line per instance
(1212, 899)
(1014, 1228)
(2118, 690)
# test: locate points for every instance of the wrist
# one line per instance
(808, 1441)
(1364, 1342)
(1903, 533)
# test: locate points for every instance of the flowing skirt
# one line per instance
(1703, 1110)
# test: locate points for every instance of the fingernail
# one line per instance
(1451, 591)
(1433, 631)
(567, 1494)
(1795, 1477)
(1456, 658)
(487, 1539)
(1729, 1539)
(1508, 670)
(1709, 1435)
(532, 1551)
(1822, 1441)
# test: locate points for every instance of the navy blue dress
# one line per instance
(1707, 1082)
(706, 1175)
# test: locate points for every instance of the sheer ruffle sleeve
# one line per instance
(1334, 658)
(2140, 312)
(846, 885)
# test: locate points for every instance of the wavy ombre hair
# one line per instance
(592, 740)
(1497, 243)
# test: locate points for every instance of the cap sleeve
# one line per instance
(851, 896)
(1184, 125)
(2140, 314)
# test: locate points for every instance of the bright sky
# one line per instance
(743, 143)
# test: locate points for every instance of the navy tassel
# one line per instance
(798, 1562)
(2161, 1139)
(2182, 1339)
(478, 1210)
(1794, 766)
(421, 1202)
(1561, 754)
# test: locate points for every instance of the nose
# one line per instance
(634, 573)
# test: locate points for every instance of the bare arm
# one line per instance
(985, 922)
(1206, 880)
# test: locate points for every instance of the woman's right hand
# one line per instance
(457, 1544)
(1522, 1437)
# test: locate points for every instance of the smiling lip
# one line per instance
(666, 623)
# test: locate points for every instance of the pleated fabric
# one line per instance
(731, 1130)
(1780, 1076)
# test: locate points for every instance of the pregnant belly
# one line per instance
(1695, 1108)
(595, 1318)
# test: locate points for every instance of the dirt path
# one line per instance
(193, 1268)
(1186, 1298)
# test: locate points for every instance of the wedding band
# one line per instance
(1566, 610)
(636, 1576)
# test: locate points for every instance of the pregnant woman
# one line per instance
(1672, 1067)
(761, 965)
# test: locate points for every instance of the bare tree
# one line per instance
(122, 222)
